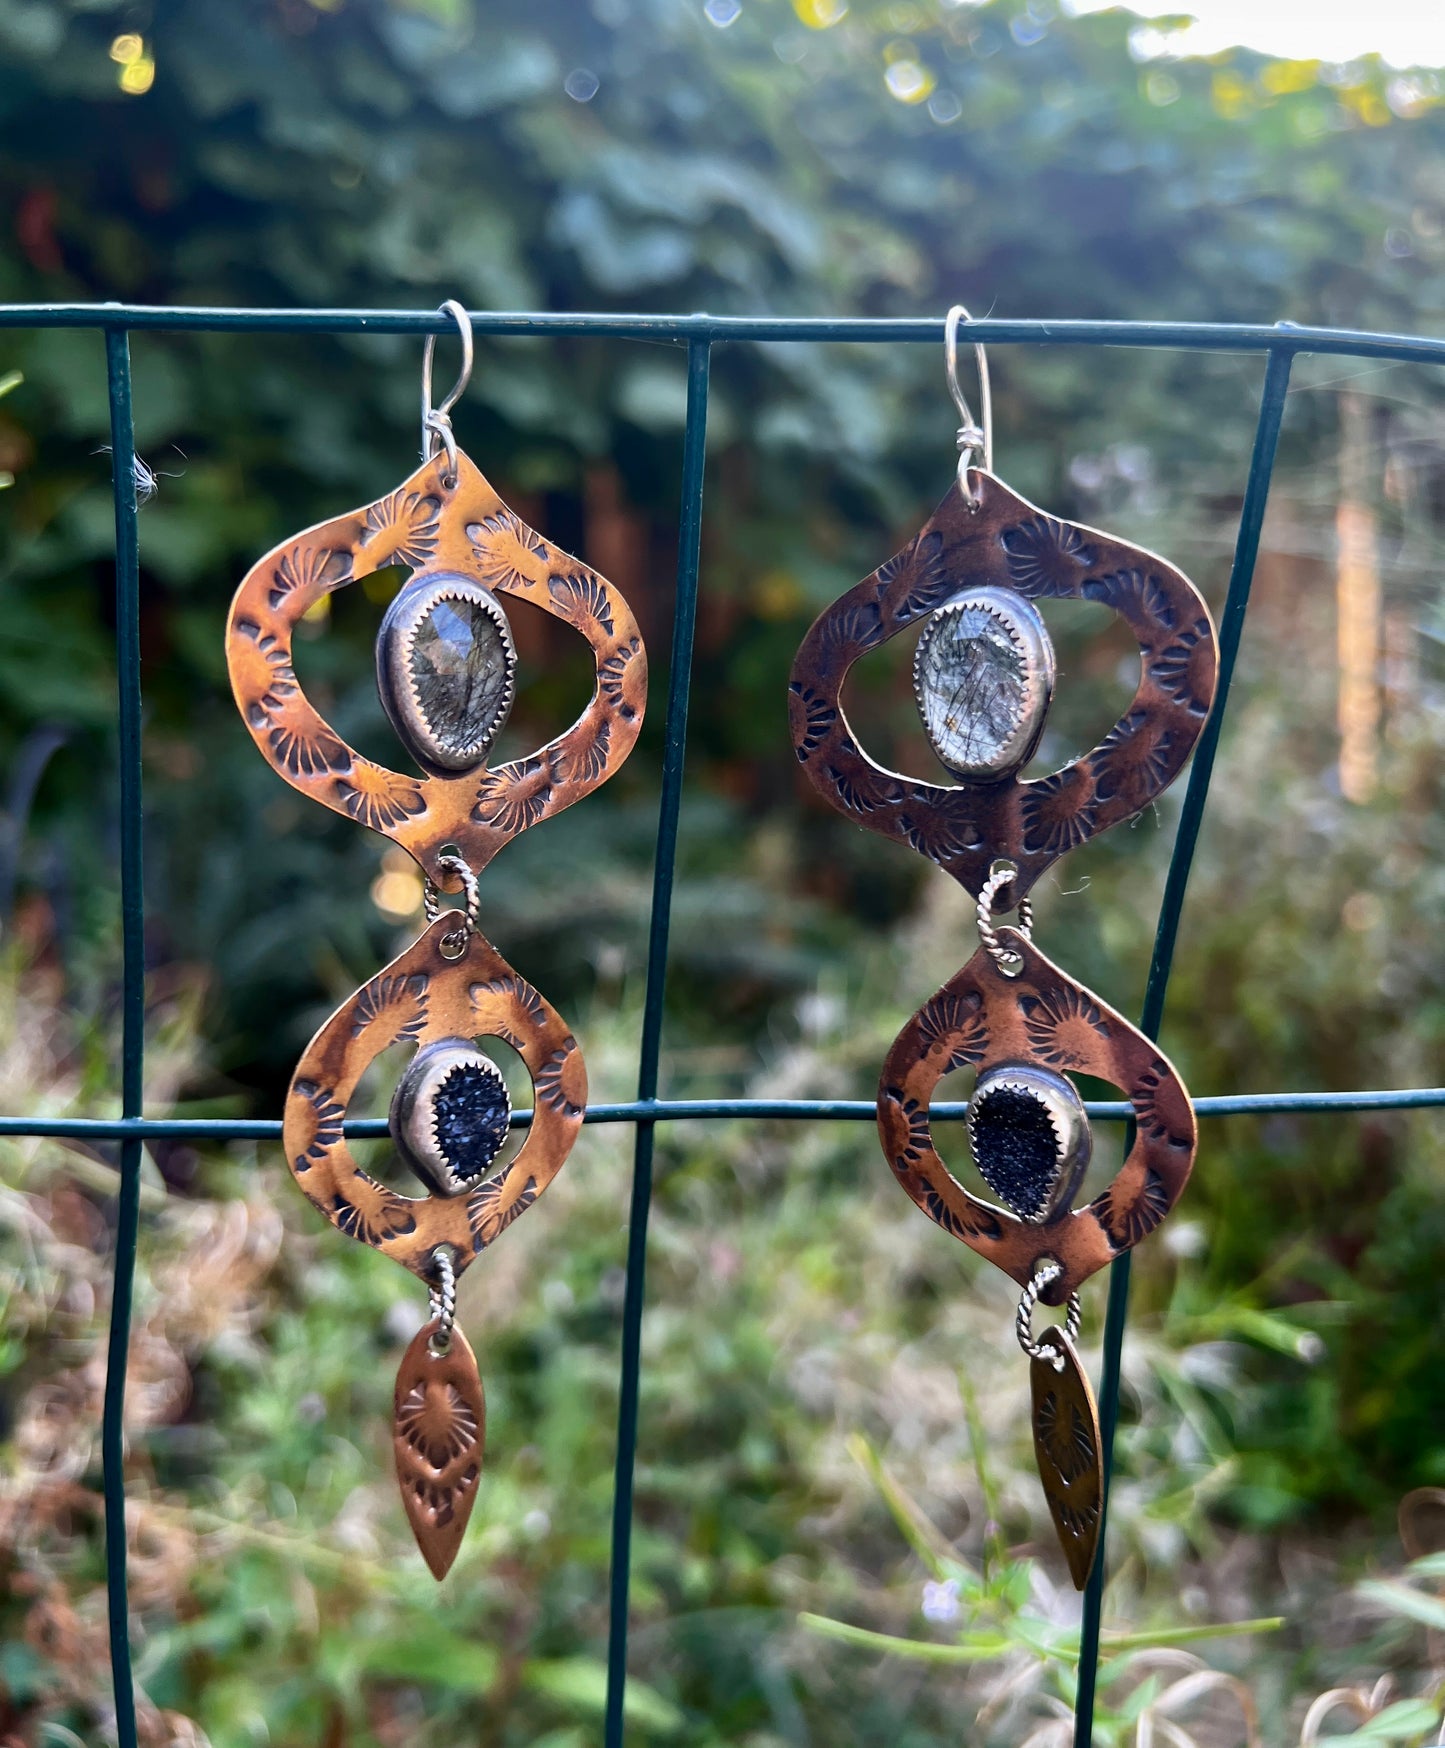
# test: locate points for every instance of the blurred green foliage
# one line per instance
(753, 157)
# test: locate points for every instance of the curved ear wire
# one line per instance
(974, 440)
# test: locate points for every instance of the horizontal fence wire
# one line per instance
(1301, 1104)
(1281, 343)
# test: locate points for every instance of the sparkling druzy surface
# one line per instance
(470, 1111)
(1016, 1148)
(460, 667)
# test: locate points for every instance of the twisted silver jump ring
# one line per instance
(442, 1299)
(1024, 1321)
(1004, 957)
(454, 943)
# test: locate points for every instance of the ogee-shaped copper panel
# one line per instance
(1008, 543)
(419, 997)
(981, 1018)
(428, 526)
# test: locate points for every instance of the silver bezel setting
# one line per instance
(412, 1117)
(1022, 623)
(396, 682)
(1073, 1138)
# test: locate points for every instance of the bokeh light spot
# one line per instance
(138, 77)
(820, 14)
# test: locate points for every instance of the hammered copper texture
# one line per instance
(427, 527)
(419, 997)
(439, 1431)
(1069, 1452)
(981, 1019)
(1008, 543)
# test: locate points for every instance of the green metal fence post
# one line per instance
(679, 685)
(1171, 909)
(132, 903)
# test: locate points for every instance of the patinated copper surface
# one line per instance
(1069, 1452)
(439, 1431)
(982, 1018)
(426, 526)
(421, 996)
(1008, 543)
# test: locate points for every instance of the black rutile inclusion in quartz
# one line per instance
(460, 666)
(1015, 1148)
(470, 1110)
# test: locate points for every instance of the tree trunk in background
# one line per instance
(1357, 596)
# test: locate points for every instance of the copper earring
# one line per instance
(447, 672)
(983, 680)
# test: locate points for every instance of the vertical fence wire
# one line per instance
(1186, 839)
(132, 912)
(679, 686)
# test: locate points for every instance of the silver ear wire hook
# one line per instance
(974, 440)
(436, 422)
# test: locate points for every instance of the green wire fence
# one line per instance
(698, 334)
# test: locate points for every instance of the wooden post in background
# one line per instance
(1357, 596)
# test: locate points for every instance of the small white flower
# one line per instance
(940, 1601)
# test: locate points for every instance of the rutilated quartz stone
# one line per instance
(983, 676)
(446, 670)
(460, 671)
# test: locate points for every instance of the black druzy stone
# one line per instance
(1015, 1148)
(469, 1116)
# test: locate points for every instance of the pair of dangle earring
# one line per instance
(446, 671)
(984, 676)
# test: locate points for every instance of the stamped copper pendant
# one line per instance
(439, 1430)
(983, 679)
(424, 999)
(1068, 1449)
(446, 666)
(986, 1019)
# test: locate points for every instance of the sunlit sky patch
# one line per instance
(1407, 33)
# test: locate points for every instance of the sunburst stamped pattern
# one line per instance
(439, 1429)
(1006, 543)
(433, 522)
(1041, 1014)
(1069, 1450)
(420, 997)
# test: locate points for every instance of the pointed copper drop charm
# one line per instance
(1069, 1451)
(439, 1429)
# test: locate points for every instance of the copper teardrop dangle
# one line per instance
(439, 1429)
(1068, 1449)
